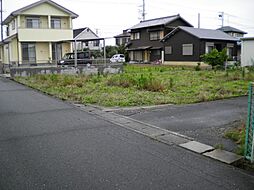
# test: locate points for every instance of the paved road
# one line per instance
(48, 144)
(205, 122)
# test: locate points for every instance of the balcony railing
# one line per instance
(44, 34)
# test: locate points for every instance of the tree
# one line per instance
(110, 51)
(122, 50)
(215, 58)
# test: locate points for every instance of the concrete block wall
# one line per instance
(86, 70)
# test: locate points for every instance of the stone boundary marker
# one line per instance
(163, 135)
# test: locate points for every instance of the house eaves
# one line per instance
(19, 11)
(247, 39)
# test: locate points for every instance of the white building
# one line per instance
(247, 57)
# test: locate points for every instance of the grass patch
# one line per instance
(144, 85)
(238, 136)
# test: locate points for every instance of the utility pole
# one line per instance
(221, 16)
(198, 20)
(144, 11)
(2, 36)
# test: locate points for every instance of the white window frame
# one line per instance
(135, 36)
(55, 23)
(30, 51)
(208, 45)
(154, 36)
(168, 50)
(187, 49)
(13, 24)
(31, 20)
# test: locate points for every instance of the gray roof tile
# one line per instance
(231, 29)
(156, 22)
(207, 33)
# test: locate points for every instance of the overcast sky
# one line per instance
(110, 17)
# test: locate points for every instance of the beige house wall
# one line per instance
(42, 52)
(44, 35)
(66, 48)
(45, 9)
(6, 54)
(14, 51)
(44, 22)
(12, 24)
(65, 23)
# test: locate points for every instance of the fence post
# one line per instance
(249, 137)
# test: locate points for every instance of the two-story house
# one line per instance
(146, 36)
(38, 33)
(232, 31)
(237, 33)
(123, 39)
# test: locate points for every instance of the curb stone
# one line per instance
(162, 135)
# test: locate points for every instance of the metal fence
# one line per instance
(249, 138)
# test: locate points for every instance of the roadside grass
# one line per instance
(144, 85)
(238, 136)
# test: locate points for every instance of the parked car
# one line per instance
(83, 57)
(117, 58)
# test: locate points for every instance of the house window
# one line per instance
(230, 50)
(156, 52)
(209, 47)
(7, 31)
(56, 23)
(137, 55)
(155, 35)
(13, 25)
(135, 36)
(33, 22)
(168, 50)
(96, 43)
(187, 49)
(56, 51)
(28, 52)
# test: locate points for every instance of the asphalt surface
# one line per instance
(205, 122)
(49, 144)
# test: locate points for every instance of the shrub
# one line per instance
(215, 58)
(148, 82)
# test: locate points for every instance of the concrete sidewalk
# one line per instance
(49, 144)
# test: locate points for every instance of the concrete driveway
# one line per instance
(205, 122)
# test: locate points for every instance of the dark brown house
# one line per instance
(187, 44)
(123, 39)
(146, 36)
(235, 33)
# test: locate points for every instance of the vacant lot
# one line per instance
(144, 85)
